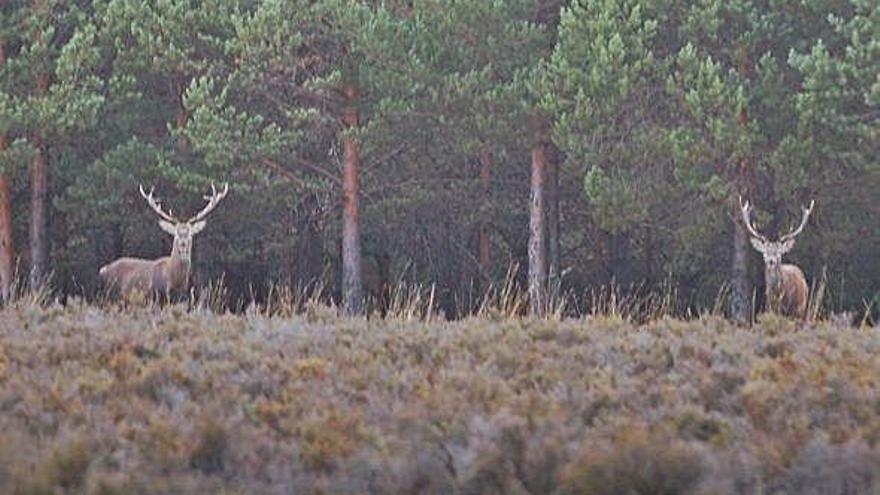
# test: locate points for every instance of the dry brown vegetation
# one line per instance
(150, 400)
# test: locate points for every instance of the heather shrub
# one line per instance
(165, 400)
(634, 460)
(851, 468)
(209, 453)
(61, 466)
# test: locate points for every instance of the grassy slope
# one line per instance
(169, 402)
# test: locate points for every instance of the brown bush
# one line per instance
(635, 460)
(162, 400)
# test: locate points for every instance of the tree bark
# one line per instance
(484, 255)
(352, 279)
(288, 253)
(553, 219)
(38, 240)
(7, 246)
(537, 226)
(39, 188)
(308, 266)
(740, 297)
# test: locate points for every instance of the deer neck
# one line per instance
(178, 266)
(773, 278)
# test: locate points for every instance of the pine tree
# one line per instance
(53, 92)
(292, 70)
(602, 90)
(7, 240)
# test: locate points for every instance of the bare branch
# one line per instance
(379, 161)
(283, 172)
(156, 206)
(317, 169)
(306, 164)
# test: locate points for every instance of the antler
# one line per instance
(794, 233)
(746, 209)
(212, 199)
(156, 206)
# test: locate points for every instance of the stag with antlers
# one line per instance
(164, 275)
(786, 286)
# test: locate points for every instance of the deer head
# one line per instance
(184, 230)
(772, 250)
(786, 285)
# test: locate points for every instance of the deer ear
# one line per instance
(198, 226)
(168, 227)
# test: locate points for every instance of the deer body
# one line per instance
(159, 276)
(786, 287)
(169, 273)
(787, 291)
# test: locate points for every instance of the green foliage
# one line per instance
(661, 112)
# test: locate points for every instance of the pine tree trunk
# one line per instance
(7, 246)
(288, 253)
(38, 240)
(39, 187)
(485, 256)
(740, 297)
(537, 227)
(352, 280)
(58, 231)
(308, 266)
(553, 220)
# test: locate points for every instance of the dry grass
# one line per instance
(180, 399)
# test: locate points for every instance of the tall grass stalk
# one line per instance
(636, 303)
(23, 294)
(505, 301)
(409, 303)
(817, 295)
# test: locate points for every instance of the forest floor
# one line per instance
(149, 400)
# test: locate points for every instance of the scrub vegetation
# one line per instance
(101, 399)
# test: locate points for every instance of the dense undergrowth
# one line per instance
(150, 400)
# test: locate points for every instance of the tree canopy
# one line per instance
(377, 144)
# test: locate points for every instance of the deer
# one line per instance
(170, 273)
(786, 287)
